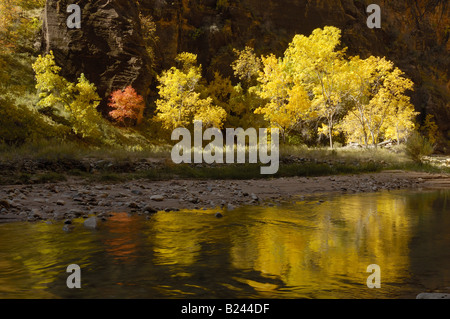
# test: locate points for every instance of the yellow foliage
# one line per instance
(211, 116)
(247, 65)
(180, 101)
(380, 106)
(288, 103)
(83, 109)
(314, 62)
(79, 100)
(431, 129)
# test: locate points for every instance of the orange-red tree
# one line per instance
(128, 106)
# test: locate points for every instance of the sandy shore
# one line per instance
(72, 199)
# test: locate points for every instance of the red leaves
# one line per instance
(128, 106)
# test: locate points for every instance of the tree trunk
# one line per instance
(330, 132)
(373, 140)
(366, 139)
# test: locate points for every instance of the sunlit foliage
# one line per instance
(238, 103)
(127, 106)
(288, 102)
(247, 66)
(78, 101)
(316, 82)
(17, 23)
(430, 129)
(380, 106)
(180, 102)
(318, 64)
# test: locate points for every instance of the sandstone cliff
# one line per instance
(110, 50)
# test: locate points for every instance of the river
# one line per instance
(309, 247)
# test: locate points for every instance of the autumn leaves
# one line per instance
(180, 101)
(314, 82)
(313, 85)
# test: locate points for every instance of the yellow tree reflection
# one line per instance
(319, 245)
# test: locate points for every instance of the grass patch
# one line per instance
(49, 177)
(54, 150)
(111, 177)
(25, 178)
(311, 169)
(124, 164)
(236, 172)
(420, 167)
(396, 155)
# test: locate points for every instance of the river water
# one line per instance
(313, 247)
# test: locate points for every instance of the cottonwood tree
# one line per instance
(232, 100)
(77, 102)
(361, 73)
(247, 65)
(315, 62)
(287, 102)
(431, 129)
(243, 100)
(390, 107)
(379, 105)
(180, 101)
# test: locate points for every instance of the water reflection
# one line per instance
(123, 239)
(331, 246)
(313, 248)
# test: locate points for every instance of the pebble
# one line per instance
(36, 213)
(193, 200)
(6, 203)
(132, 205)
(91, 223)
(149, 210)
(67, 228)
(157, 198)
(76, 212)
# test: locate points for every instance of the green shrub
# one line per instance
(20, 124)
(79, 100)
(417, 147)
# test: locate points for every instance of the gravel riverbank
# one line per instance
(72, 199)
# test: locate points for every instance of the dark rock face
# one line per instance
(108, 48)
(413, 36)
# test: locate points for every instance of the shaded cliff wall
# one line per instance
(110, 50)
(414, 34)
